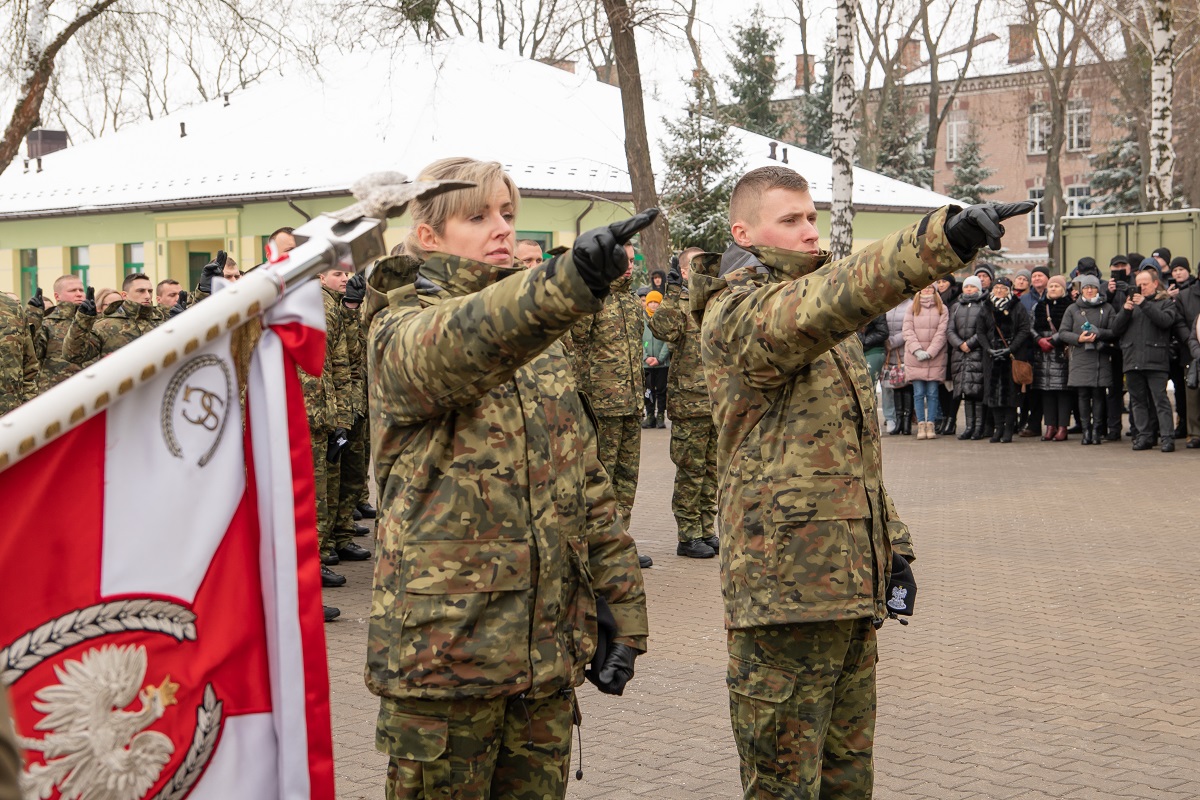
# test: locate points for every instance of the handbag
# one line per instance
(1022, 371)
(893, 374)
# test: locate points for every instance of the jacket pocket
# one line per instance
(821, 548)
(764, 726)
(414, 737)
(580, 609)
(466, 613)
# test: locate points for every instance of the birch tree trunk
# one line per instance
(1160, 188)
(841, 213)
(655, 240)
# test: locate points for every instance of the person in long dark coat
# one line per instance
(967, 354)
(1050, 359)
(1004, 326)
(1087, 328)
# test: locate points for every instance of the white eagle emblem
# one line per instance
(897, 600)
(96, 750)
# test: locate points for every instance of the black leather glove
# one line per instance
(211, 270)
(599, 254)
(999, 353)
(337, 443)
(616, 670)
(674, 278)
(979, 225)
(901, 587)
(356, 289)
(38, 300)
(88, 306)
(180, 306)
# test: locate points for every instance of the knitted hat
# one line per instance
(1042, 268)
(654, 297)
(988, 268)
(1088, 280)
(1161, 252)
(973, 281)
(1004, 282)
(1023, 273)
(1181, 261)
(1060, 280)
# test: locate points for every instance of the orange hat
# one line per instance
(654, 297)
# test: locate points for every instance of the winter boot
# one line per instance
(930, 431)
(648, 422)
(905, 416)
(969, 420)
(661, 420)
(1009, 425)
(921, 430)
(997, 424)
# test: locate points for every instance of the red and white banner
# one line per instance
(161, 627)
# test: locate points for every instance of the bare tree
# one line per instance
(803, 14)
(622, 25)
(841, 213)
(883, 27)
(934, 32)
(709, 87)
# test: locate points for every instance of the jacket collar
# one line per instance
(775, 261)
(131, 310)
(63, 311)
(456, 276)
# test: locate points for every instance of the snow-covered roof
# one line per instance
(310, 134)
(990, 57)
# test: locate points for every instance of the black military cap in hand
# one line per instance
(901, 587)
(337, 443)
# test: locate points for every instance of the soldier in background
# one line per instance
(90, 337)
(529, 253)
(498, 529)
(167, 293)
(18, 363)
(608, 364)
(50, 332)
(809, 536)
(693, 437)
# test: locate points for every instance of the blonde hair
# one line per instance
(102, 295)
(937, 302)
(435, 211)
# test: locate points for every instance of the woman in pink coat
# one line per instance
(925, 355)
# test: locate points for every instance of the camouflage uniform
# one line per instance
(348, 390)
(608, 362)
(326, 411)
(807, 527)
(497, 527)
(49, 337)
(18, 363)
(90, 338)
(353, 463)
(693, 436)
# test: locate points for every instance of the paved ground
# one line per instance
(1055, 652)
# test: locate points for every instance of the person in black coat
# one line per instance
(874, 337)
(1004, 327)
(947, 424)
(967, 356)
(1146, 324)
(1186, 294)
(1087, 329)
(1050, 359)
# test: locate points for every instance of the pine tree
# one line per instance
(702, 164)
(816, 108)
(1117, 175)
(902, 144)
(970, 173)
(754, 76)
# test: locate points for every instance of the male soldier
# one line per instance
(51, 332)
(355, 460)
(167, 293)
(693, 437)
(90, 339)
(529, 253)
(608, 353)
(498, 525)
(808, 532)
(343, 487)
(18, 364)
(224, 266)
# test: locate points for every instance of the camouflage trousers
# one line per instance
(352, 480)
(802, 704)
(694, 453)
(320, 445)
(477, 749)
(620, 442)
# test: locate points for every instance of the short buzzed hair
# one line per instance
(62, 280)
(530, 242)
(286, 229)
(129, 279)
(747, 194)
(158, 290)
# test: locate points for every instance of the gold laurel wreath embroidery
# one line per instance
(168, 407)
(204, 740)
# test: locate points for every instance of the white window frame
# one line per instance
(957, 133)
(1079, 126)
(1079, 200)
(1038, 229)
(1038, 129)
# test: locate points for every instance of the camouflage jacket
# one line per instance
(687, 392)
(326, 398)
(497, 524)
(807, 528)
(92, 338)
(356, 394)
(48, 343)
(608, 354)
(18, 363)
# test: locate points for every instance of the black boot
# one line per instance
(906, 417)
(1010, 424)
(660, 421)
(648, 422)
(997, 424)
(969, 420)
(951, 426)
(988, 426)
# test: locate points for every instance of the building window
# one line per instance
(957, 131)
(29, 274)
(1037, 217)
(135, 258)
(1079, 125)
(1039, 128)
(80, 261)
(1079, 200)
